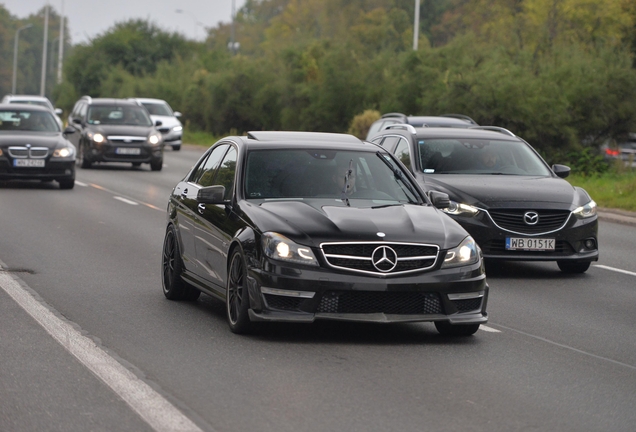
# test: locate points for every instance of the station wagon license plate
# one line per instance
(38, 163)
(128, 150)
(529, 244)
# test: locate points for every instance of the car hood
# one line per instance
(166, 121)
(504, 191)
(36, 139)
(123, 130)
(312, 222)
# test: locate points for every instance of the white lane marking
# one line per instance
(79, 183)
(488, 329)
(126, 200)
(160, 414)
(96, 186)
(569, 347)
(615, 269)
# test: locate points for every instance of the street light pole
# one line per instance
(60, 51)
(416, 25)
(15, 56)
(45, 48)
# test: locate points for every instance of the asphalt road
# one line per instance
(88, 342)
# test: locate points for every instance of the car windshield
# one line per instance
(160, 109)
(333, 174)
(31, 121)
(477, 156)
(119, 115)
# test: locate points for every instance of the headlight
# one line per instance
(458, 209)
(177, 128)
(64, 152)
(586, 211)
(281, 248)
(465, 254)
(99, 138)
(154, 139)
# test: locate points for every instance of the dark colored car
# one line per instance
(115, 130)
(444, 120)
(502, 192)
(293, 226)
(32, 146)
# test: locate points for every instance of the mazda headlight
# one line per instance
(586, 211)
(154, 138)
(98, 138)
(465, 254)
(281, 248)
(458, 209)
(64, 152)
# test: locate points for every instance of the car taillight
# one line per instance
(611, 152)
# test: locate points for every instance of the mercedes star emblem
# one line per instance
(384, 259)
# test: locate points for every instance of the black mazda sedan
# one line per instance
(502, 192)
(32, 146)
(293, 226)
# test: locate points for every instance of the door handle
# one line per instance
(201, 208)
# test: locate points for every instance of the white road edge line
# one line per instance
(489, 329)
(79, 183)
(155, 410)
(126, 200)
(614, 269)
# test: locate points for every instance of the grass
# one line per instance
(199, 138)
(614, 189)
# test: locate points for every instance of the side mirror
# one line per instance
(58, 111)
(68, 130)
(440, 200)
(177, 114)
(211, 195)
(158, 123)
(561, 170)
(77, 120)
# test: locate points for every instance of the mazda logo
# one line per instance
(531, 218)
(384, 259)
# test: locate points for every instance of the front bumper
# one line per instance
(569, 240)
(294, 294)
(54, 169)
(108, 152)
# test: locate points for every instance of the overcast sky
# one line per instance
(89, 18)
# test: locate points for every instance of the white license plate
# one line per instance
(128, 150)
(39, 163)
(530, 244)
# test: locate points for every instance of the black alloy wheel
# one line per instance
(174, 287)
(237, 298)
(573, 267)
(447, 329)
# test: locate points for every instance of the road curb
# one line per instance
(617, 216)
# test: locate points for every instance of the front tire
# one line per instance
(82, 160)
(236, 296)
(174, 287)
(176, 147)
(573, 267)
(156, 165)
(447, 329)
(66, 184)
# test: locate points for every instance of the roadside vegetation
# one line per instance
(561, 75)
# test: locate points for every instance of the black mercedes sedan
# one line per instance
(502, 192)
(299, 226)
(32, 146)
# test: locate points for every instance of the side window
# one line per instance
(204, 174)
(389, 142)
(403, 153)
(82, 110)
(225, 175)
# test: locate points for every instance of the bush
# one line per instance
(361, 123)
